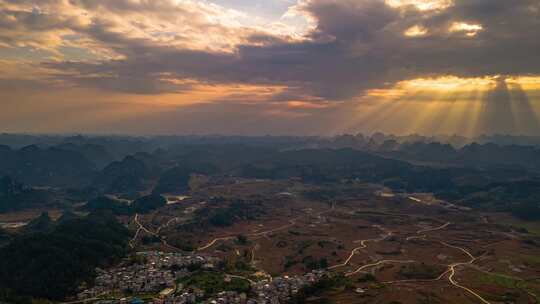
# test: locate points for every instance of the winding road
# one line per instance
(139, 229)
(292, 222)
(142, 228)
(359, 269)
(363, 246)
(451, 268)
(167, 224)
(433, 229)
(420, 234)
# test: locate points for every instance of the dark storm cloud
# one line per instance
(507, 44)
(321, 68)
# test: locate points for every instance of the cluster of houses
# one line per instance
(156, 272)
(277, 291)
(282, 289)
(187, 296)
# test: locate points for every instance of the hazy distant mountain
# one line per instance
(475, 155)
(176, 179)
(434, 152)
(97, 154)
(527, 157)
(122, 176)
(15, 196)
(45, 166)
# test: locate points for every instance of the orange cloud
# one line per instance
(424, 5)
(469, 29)
(416, 31)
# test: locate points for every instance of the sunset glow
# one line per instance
(423, 5)
(289, 64)
(469, 29)
(269, 151)
(416, 31)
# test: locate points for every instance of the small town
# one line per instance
(152, 272)
(154, 276)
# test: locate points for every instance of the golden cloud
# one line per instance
(470, 29)
(423, 5)
(416, 31)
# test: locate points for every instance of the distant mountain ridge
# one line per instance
(45, 166)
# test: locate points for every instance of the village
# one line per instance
(153, 277)
(151, 272)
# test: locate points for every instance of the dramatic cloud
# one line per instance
(309, 56)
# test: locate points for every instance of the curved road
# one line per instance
(142, 228)
(377, 264)
(291, 223)
(363, 246)
(451, 268)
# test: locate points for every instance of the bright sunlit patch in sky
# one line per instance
(433, 88)
(438, 86)
(416, 31)
(453, 105)
(422, 5)
(263, 8)
(278, 15)
(448, 83)
(469, 29)
(531, 83)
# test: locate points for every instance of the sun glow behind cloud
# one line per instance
(435, 89)
(469, 29)
(447, 84)
(304, 58)
(451, 105)
(416, 31)
(528, 83)
(423, 5)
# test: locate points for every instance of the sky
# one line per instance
(277, 67)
